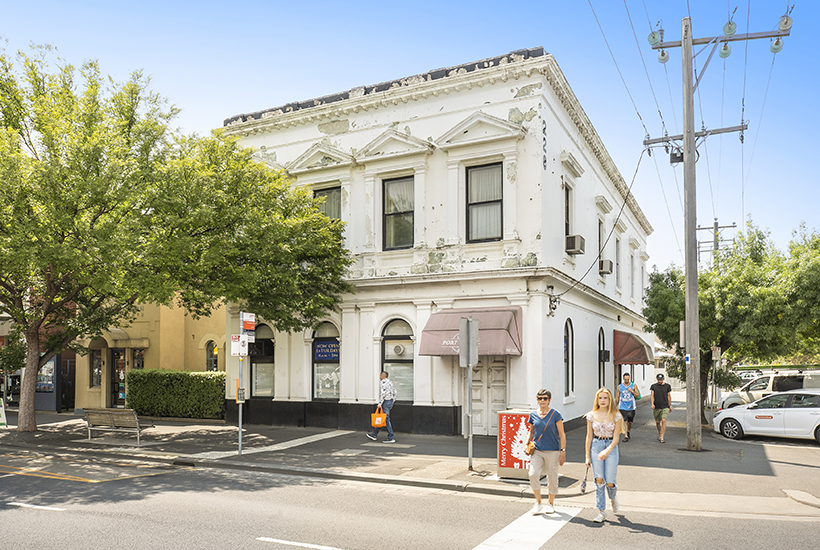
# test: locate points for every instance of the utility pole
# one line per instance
(694, 436)
(716, 240)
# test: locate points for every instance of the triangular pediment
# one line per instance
(479, 128)
(320, 156)
(393, 144)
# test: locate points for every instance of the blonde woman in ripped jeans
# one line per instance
(547, 431)
(604, 427)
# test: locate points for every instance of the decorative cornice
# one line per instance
(418, 88)
(571, 164)
(603, 204)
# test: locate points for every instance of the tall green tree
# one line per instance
(744, 306)
(103, 206)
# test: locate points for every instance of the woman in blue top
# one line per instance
(547, 430)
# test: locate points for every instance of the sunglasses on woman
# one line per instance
(543, 398)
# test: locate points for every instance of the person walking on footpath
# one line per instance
(547, 431)
(627, 394)
(387, 396)
(659, 398)
(604, 427)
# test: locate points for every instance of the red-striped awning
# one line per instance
(630, 349)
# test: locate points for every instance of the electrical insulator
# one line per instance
(785, 23)
(776, 46)
(663, 57)
(729, 28)
(725, 50)
(654, 38)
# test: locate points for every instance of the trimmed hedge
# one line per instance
(179, 394)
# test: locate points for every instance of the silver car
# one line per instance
(794, 413)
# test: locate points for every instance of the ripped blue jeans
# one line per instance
(605, 470)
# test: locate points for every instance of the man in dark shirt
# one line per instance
(659, 397)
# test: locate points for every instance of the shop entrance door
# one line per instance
(118, 378)
(489, 393)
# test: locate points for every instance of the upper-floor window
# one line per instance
(484, 200)
(618, 263)
(398, 213)
(632, 276)
(567, 210)
(332, 205)
(601, 238)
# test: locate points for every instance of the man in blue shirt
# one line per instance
(627, 393)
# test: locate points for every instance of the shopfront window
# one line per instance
(45, 378)
(211, 359)
(95, 364)
(397, 357)
(260, 353)
(139, 359)
(326, 373)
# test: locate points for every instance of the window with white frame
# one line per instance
(332, 201)
(569, 359)
(601, 239)
(632, 276)
(397, 357)
(398, 213)
(567, 210)
(618, 263)
(484, 203)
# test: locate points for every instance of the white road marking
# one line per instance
(529, 532)
(34, 506)
(299, 544)
(214, 455)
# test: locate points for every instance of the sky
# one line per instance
(217, 59)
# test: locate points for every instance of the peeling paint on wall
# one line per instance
(528, 90)
(334, 127)
(517, 117)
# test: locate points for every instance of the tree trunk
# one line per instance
(26, 419)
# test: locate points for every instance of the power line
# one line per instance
(617, 67)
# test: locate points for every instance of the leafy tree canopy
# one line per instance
(103, 206)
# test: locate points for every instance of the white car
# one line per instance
(794, 413)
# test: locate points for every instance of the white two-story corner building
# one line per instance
(480, 190)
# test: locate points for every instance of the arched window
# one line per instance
(326, 374)
(260, 354)
(601, 361)
(569, 359)
(397, 357)
(211, 361)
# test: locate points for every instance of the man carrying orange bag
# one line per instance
(387, 395)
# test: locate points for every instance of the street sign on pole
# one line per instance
(247, 325)
(239, 345)
(468, 358)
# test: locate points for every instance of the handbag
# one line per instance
(584, 482)
(530, 448)
(378, 419)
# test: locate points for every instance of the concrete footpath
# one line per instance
(754, 478)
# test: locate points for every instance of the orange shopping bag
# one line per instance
(378, 419)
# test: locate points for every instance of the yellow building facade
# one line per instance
(159, 338)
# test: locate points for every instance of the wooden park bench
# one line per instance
(115, 420)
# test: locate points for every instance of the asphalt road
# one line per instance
(67, 503)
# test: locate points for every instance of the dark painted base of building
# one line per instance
(344, 416)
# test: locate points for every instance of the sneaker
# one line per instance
(373, 437)
(389, 440)
(599, 518)
(537, 509)
(615, 508)
(549, 509)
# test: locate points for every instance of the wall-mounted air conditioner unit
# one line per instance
(575, 244)
(604, 267)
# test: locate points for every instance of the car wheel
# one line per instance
(731, 428)
(733, 405)
(817, 434)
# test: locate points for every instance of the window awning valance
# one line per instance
(499, 331)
